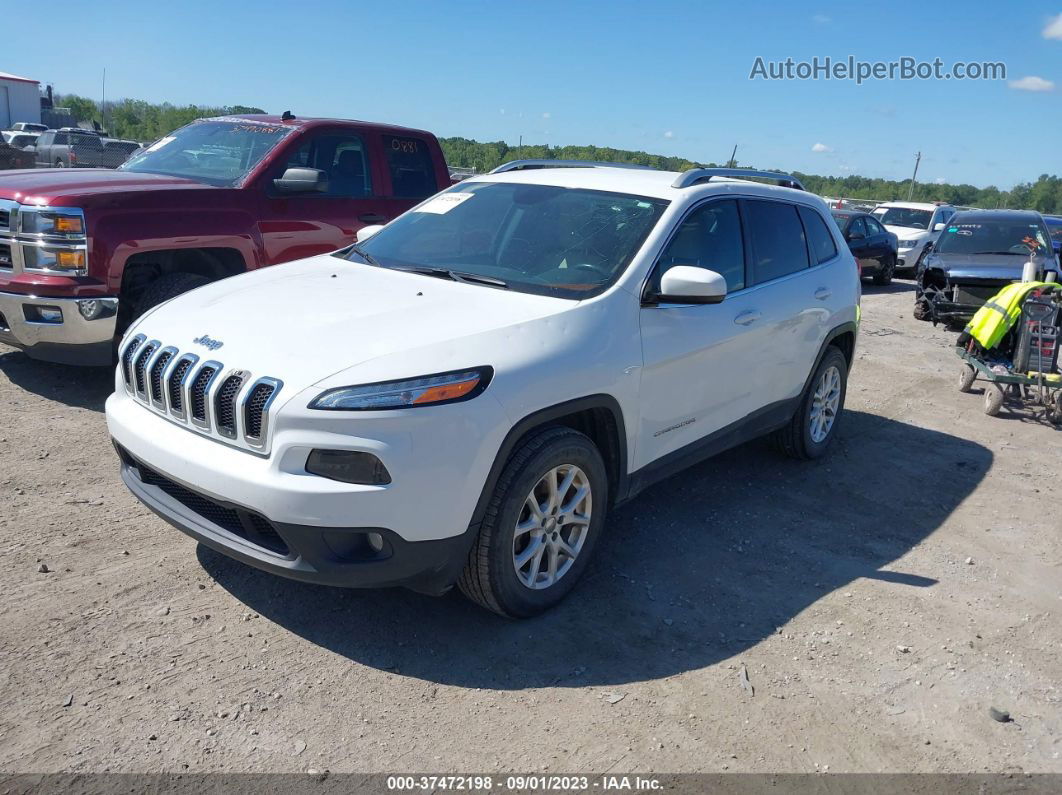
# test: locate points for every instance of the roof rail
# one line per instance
(519, 165)
(697, 175)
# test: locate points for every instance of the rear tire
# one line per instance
(166, 287)
(967, 375)
(814, 425)
(883, 278)
(518, 566)
(921, 310)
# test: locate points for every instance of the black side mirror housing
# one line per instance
(856, 236)
(302, 180)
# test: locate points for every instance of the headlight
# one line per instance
(910, 243)
(430, 390)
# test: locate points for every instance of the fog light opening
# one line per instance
(348, 466)
(376, 542)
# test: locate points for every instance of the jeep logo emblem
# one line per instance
(208, 343)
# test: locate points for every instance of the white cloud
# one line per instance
(1032, 83)
(821, 19)
(501, 111)
(820, 147)
(669, 134)
(546, 115)
(1053, 29)
(940, 180)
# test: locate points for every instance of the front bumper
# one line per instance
(72, 339)
(907, 258)
(337, 556)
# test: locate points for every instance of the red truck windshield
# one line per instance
(215, 152)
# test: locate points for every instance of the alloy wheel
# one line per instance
(824, 405)
(552, 527)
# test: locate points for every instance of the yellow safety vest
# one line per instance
(993, 320)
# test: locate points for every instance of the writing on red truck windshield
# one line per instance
(217, 152)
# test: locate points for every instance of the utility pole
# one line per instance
(910, 190)
(103, 102)
(732, 163)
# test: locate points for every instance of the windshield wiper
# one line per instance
(369, 258)
(456, 276)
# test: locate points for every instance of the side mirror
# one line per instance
(368, 231)
(938, 227)
(856, 236)
(687, 284)
(302, 180)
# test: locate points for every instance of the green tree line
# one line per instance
(138, 120)
(1044, 195)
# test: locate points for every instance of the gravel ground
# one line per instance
(880, 602)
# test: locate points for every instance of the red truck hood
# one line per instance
(59, 186)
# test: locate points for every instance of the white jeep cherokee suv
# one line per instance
(917, 225)
(463, 396)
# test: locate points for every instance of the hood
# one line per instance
(306, 320)
(979, 266)
(58, 186)
(906, 232)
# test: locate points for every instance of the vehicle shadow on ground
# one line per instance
(696, 570)
(892, 287)
(83, 387)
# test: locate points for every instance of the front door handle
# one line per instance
(372, 218)
(823, 293)
(747, 318)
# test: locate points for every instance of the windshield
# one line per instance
(904, 216)
(215, 152)
(993, 237)
(1054, 227)
(566, 242)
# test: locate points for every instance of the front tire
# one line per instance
(166, 287)
(814, 425)
(541, 526)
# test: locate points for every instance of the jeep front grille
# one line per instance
(204, 396)
(225, 405)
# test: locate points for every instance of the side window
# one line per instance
(61, 139)
(412, 170)
(709, 238)
(820, 241)
(856, 229)
(342, 157)
(45, 139)
(778, 242)
(873, 229)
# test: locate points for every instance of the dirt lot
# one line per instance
(881, 601)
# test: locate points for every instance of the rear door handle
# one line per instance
(372, 218)
(747, 318)
(823, 293)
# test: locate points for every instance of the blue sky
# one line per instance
(665, 77)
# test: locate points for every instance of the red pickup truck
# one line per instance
(84, 252)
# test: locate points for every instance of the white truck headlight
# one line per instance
(429, 390)
(910, 243)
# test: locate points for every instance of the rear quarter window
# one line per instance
(820, 241)
(412, 169)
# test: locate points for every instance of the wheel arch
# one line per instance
(597, 416)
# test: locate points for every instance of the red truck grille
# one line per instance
(201, 395)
